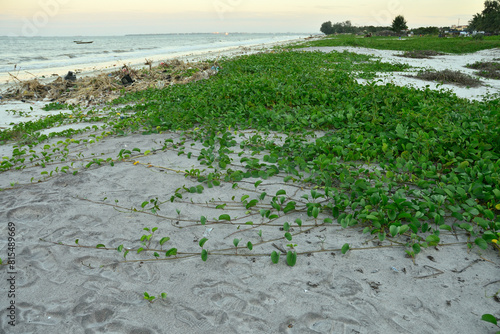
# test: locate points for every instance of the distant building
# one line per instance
(459, 28)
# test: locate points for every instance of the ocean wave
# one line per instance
(33, 58)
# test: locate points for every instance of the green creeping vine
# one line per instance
(404, 166)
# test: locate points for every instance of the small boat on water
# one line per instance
(82, 42)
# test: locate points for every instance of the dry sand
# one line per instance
(62, 289)
(455, 62)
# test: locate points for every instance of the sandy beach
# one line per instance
(49, 74)
(73, 227)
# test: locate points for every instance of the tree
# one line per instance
(488, 19)
(399, 24)
(326, 28)
(426, 31)
(338, 28)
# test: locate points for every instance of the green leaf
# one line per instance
(289, 207)
(164, 240)
(170, 252)
(445, 227)
(288, 236)
(76, 241)
(154, 229)
(144, 204)
(163, 295)
(119, 248)
(291, 258)
(489, 214)
(345, 248)
(155, 254)
(393, 230)
(125, 254)
(249, 245)
(489, 318)
(252, 203)
(276, 206)
(236, 242)
(203, 220)
(432, 240)
(416, 248)
(315, 212)
(457, 215)
(286, 226)
(496, 192)
(256, 184)
(204, 255)
(140, 250)
(298, 222)
(280, 192)
(403, 229)
(481, 243)
(224, 217)
(202, 242)
(100, 246)
(244, 197)
(275, 257)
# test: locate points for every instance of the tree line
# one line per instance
(489, 19)
(398, 25)
(329, 28)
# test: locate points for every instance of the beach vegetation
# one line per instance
(454, 45)
(152, 299)
(486, 69)
(405, 166)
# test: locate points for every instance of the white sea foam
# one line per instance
(46, 55)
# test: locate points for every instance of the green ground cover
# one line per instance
(396, 161)
(456, 45)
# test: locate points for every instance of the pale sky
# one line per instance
(120, 17)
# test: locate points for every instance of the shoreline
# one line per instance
(87, 69)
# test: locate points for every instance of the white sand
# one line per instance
(62, 289)
(450, 61)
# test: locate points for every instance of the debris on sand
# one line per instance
(420, 54)
(105, 87)
(451, 77)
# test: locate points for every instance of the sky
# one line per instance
(120, 17)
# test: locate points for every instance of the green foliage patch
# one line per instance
(456, 45)
(404, 165)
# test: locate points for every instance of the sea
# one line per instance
(25, 57)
